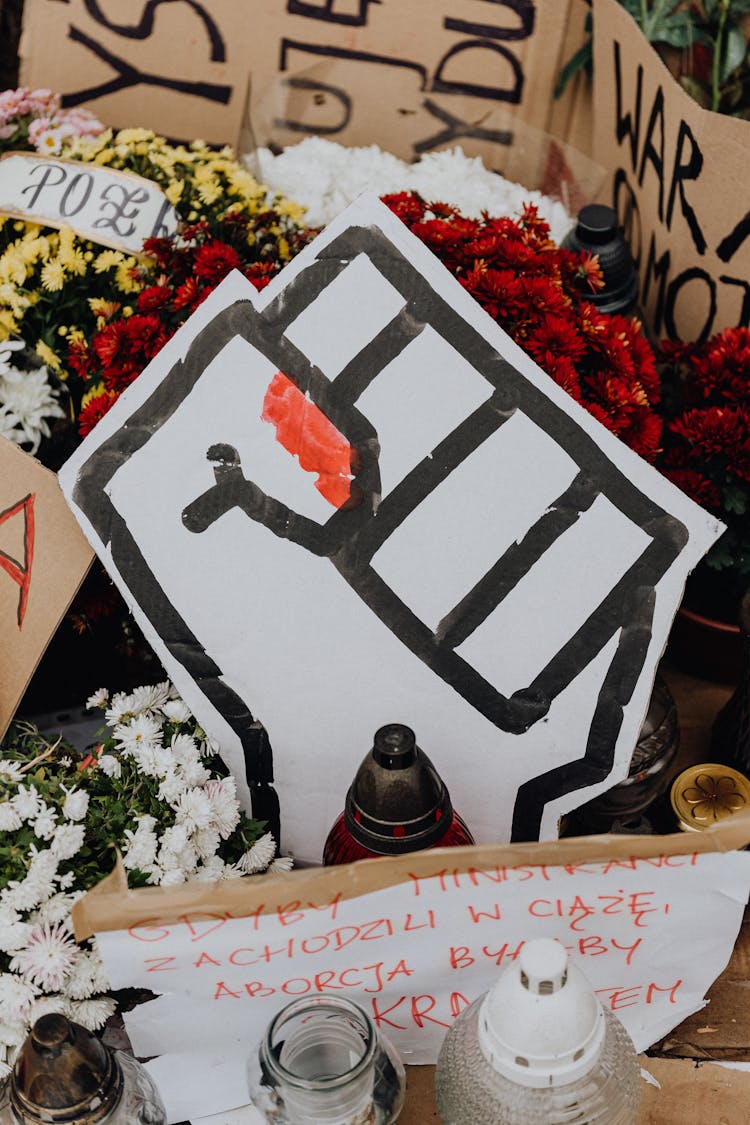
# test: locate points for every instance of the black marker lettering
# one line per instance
(118, 215)
(326, 11)
(456, 128)
(627, 124)
(729, 246)
(46, 180)
(128, 75)
(686, 170)
(651, 154)
(71, 205)
(145, 27)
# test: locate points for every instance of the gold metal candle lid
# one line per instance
(707, 793)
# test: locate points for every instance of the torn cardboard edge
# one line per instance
(111, 905)
(62, 559)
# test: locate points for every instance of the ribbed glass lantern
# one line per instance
(538, 1049)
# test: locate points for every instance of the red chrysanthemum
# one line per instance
(215, 260)
(94, 411)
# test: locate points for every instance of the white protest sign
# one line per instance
(414, 941)
(114, 208)
(352, 500)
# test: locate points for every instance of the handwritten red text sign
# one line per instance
(650, 934)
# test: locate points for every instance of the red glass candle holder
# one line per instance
(397, 803)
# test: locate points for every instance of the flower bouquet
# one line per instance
(706, 452)
(156, 790)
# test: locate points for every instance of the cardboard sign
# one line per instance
(407, 74)
(352, 500)
(680, 184)
(117, 209)
(413, 940)
(43, 560)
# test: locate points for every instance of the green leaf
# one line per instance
(736, 49)
(582, 60)
(736, 499)
(720, 556)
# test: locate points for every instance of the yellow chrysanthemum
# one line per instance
(53, 276)
(209, 192)
(94, 392)
(52, 359)
(12, 266)
(100, 306)
(70, 254)
(8, 324)
(107, 260)
(174, 192)
(125, 282)
(133, 136)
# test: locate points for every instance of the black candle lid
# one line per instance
(597, 230)
(63, 1073)
(397, 802)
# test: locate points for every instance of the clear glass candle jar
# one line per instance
(321, 1062)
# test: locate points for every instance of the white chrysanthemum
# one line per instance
(195, 774)
(13, 1032)
(10, 772)
(76, 804)
(27, 802)
(151, 697)
(176, 710)
(45, 823)
(39, 883)
(141, 732)
(326, 177)
(14, 933)
(121, 707)
(153, 760)
(9, 817)
(16, 997)
(29, 397)
(100, 698)
(258, 857)
(185, 749)
(172, 877)
(110, 765)
(47, 957)
(9, 430)
(57, 908)
(206, 841)
(213, 869)
(225, 811)
(140, 850)
(93, 1013)
(68, 840)
(172, 786)
(281, 863)
(86, 978)
(174, 839)
(194, 809)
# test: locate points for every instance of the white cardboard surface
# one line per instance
(115, 208)
(302, 637)
(650, 934)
